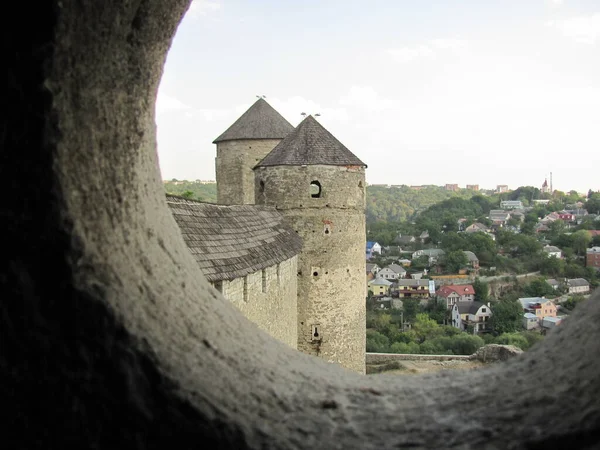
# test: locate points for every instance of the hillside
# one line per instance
(196, 190)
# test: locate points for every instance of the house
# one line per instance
(499, 217)
(551, 322)
(477, 228)
(379, 286)
(511, 204)
(372, 249)
(410, 288)
(501, 188)
(434, 254)
(566, 217)
(578, 286)
(552, 251)
(540, 306)
(473, 187)
(451, 187)
(392, 272)
(372, 268)
(405, 262)
(424, 236)
(404, 240)
(452, 294)
(474, 314)
(530, 321)
(553, 283)
(592, 258)
(472, 258)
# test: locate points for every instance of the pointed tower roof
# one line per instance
(310, 144)
(260, 121)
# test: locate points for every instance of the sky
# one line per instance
(481, 92)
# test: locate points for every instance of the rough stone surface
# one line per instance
(496, 352)
(331, 266)
(233, 166)
(111, 338)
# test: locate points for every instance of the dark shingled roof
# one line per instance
(261, 121)
(310, 144)
(233, 241)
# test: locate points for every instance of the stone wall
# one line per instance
(234, 163)
(268, 298)
(331, 267)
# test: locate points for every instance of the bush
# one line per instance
(516, 339)
(377, 342)
(402, 347)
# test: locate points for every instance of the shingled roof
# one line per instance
(233, 241)
(310, 144)
(261, 121)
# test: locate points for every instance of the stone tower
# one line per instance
(319, 185)
(241, 146)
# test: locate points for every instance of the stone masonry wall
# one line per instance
(234, 163)
(268, 299)
(331, 267)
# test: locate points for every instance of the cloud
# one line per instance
(365, 97)
(165, 104)
(585, 30)
(203, 7)
(429, 50)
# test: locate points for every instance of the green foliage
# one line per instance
(192, 189)
(572, 301)
(411, 307)
(377, 342)
(453, 261)
(516, 339)
(482, 290)
(580, 241)
(398, 204)
(538, 288)
(593, 203)
(507, 316)
(436, 310)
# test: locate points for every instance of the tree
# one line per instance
(538, 288)
(580, 240)
(411, 307)
(482, 290)
(507, 316)
(377, 342)
(453, 261)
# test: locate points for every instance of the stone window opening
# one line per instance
(264, 281)
(246, 288)
(315, 334)
(315, 189)
(261, 186)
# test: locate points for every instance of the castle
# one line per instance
(285, 243)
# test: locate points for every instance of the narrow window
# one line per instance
(278, 274)
(315, 334)
(262, 186)
(246, 288)
(315, 189)
(264, 281)
(219, 286)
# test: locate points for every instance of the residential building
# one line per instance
(373, 248)
(410, 288)
(511, 204)
(530, 321)
(474, 314)
(553, 283)
(477, 228)
(551, 322)
(452, 294)
(434, 254)
(392, 272)
(372, 268)
(405, 262)
(540, 306)
(499, 217)
(578, 286)
(451, 187)
(552, 251)
(404, 240)
(473, 187)
(379, 286)
(501, 188)
(473, 260)
(592, 258)
(566, 216)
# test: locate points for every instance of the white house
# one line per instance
(578, 286)
(475, 314)
(530, 321)
(552, 251)
(392, 272)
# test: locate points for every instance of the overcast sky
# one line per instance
(425, 92)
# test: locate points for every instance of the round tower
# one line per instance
(241, 146)
(319, 186)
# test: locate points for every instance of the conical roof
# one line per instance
(310, 144)
(261, 121)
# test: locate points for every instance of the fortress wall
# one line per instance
(331, 267)
(271, 305)
(234, 163)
